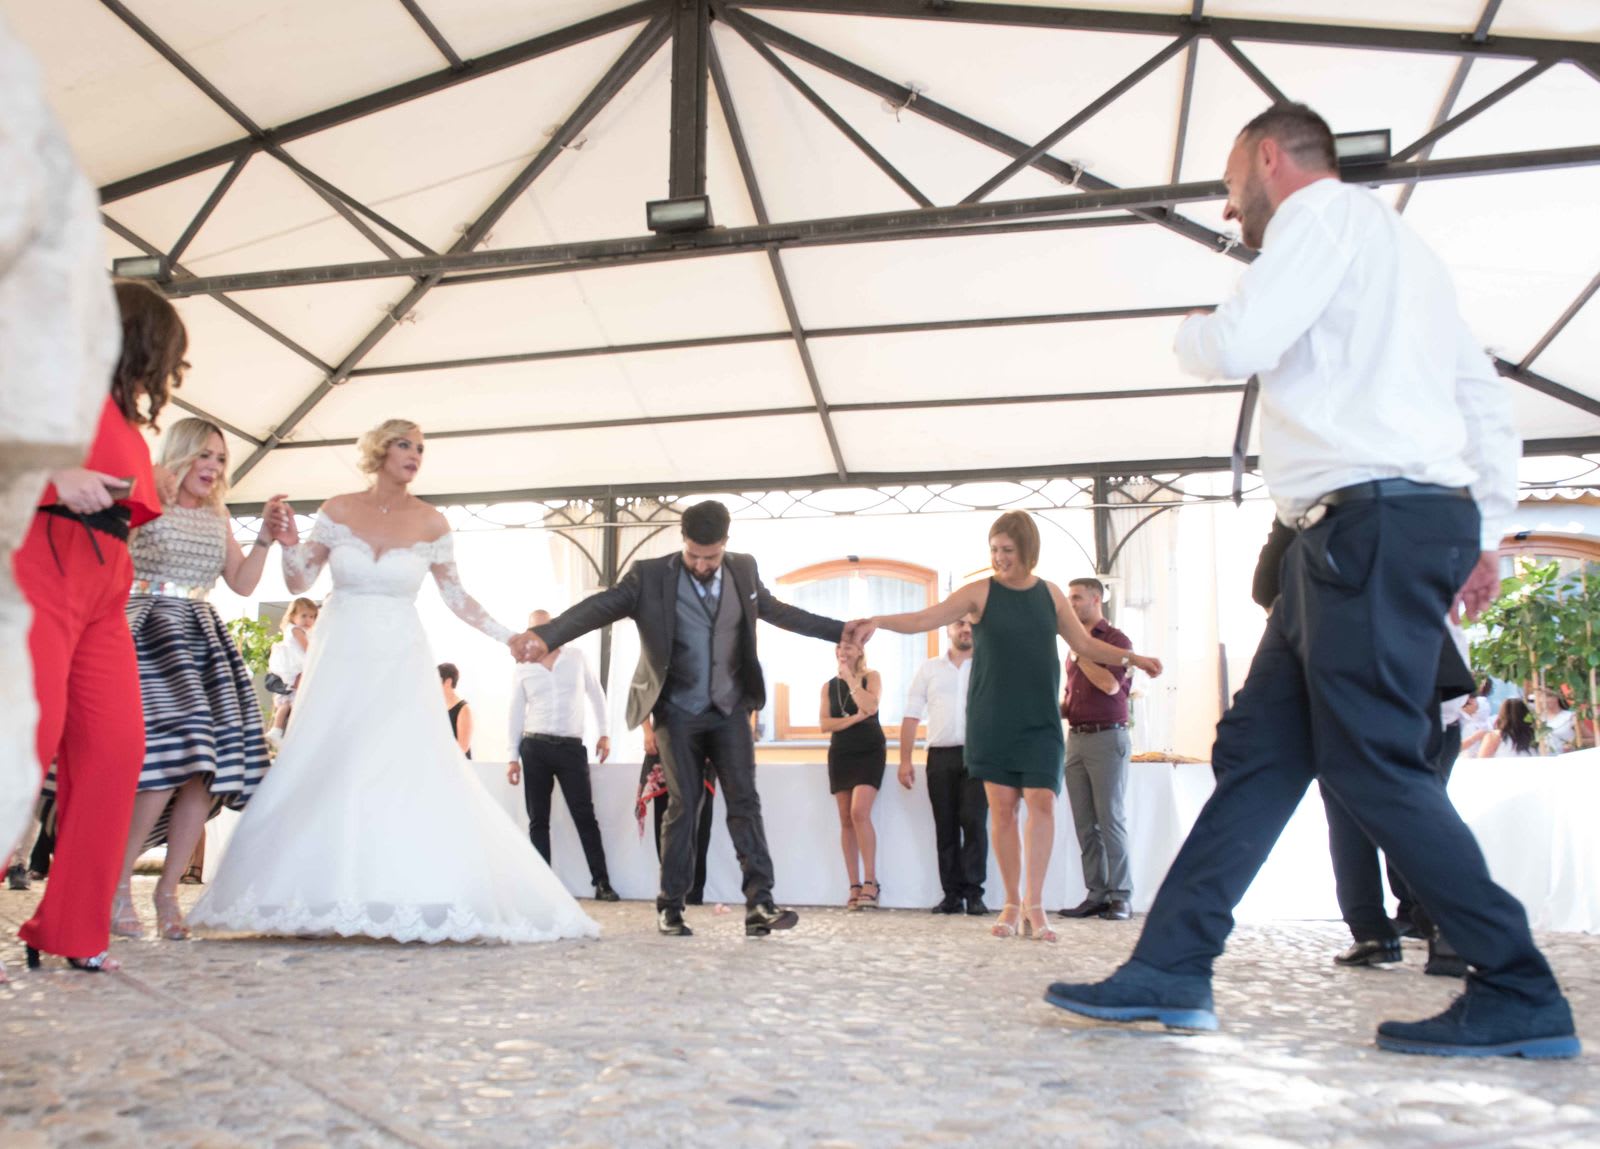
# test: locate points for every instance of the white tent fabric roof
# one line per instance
(1523, 247)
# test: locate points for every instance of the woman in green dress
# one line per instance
(1014, 739)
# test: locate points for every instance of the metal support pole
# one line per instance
(691, 32)
(608, 576)
(1102, 525)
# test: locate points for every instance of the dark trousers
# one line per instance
(543, 765)
(702, 840)
(722, 743)
(960, 823)
(1342, 689)
(1356, 874)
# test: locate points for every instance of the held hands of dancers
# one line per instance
(527, 647)
(277, 523)
(858, 630)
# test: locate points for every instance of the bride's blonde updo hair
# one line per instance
(375, 444)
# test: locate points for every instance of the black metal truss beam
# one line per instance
(1452, 93)
(578, 256)
(866, 479)
(1089, 111)
(1015, 227)
(1185, 104)
(1560, 324)
(831, 114)
(691, 38)
(1156, 24)
(319, 186)
(758, 203)
(1246, 65)
(242, 312)
(285, 133)
(210, 205)
(1472, 111)
(200, 412)
(616, 77)
(903, 97)
(1548, 387)
(811, 333)
(781, 412)
(433, 33)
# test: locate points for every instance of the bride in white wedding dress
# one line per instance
(370, 821)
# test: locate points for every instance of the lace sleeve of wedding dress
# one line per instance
(455, 596)
(304, 562)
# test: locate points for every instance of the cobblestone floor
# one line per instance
(886, 1029)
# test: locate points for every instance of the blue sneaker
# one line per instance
(1139, 992)
(1482, 1023)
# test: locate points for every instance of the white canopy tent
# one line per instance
(923, 266)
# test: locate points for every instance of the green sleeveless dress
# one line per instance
(1013, 710)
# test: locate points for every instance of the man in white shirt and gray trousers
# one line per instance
(1387, 439)
(960, 808)
(546, 735)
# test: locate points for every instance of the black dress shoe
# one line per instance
(670, 921)
(761, 919)
(1373, 952)
(1117, 910)
(1088, 908)
(17, 877)
(949, 905)
(976, 908)
(604, 893)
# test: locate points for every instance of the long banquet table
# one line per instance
(1530, 815)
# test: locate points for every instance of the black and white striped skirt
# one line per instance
(201, 716)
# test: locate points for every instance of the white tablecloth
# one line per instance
(1530, 815)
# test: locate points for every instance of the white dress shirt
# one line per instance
(938, 694)
(549, 701)
(1367, 369)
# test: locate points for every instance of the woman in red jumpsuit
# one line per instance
(74, 569)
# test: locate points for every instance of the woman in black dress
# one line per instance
(856, 757)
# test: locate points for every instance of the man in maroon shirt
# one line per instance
(1096, 709)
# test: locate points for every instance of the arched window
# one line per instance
(1569, 552)
(847, 588)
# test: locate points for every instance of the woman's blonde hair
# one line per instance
(295, 608)
(375, 444)
(1019, 527)
(181, 447)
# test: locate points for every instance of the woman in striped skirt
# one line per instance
(204, 744)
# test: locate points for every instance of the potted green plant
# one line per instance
(1543, 632)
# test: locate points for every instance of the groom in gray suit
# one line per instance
(699, 678)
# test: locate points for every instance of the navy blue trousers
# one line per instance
(1342, 690)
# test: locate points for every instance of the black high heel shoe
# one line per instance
(102, 962)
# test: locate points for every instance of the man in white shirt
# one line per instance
(938, 693)
(546, 733)
(1387, 439)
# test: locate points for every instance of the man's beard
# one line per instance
(1255, 212)
(959, 645)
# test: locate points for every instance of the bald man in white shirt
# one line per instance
(1386, 438)
(546, 735)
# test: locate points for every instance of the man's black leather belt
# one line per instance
(1392, 489)
(556, 739)
(1097, 727)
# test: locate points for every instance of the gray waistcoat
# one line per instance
(704, 671)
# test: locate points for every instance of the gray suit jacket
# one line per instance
(648, 594)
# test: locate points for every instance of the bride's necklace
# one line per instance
(382, 510)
